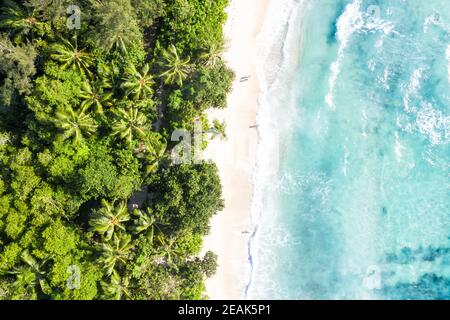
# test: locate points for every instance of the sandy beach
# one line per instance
(235, 156)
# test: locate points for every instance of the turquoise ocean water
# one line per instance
(357, 203)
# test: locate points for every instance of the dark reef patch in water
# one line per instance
(428, 287)
(408, 255)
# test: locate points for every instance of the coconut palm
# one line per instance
(213, 54)
(116, 251)
(167, 249)
(93, 96)
(117, 288)
(70, 56)
(108, 73)
(155, 156)
(31, 274)
(20, 21)
(130, 123)
(109, 218)
(50, 10)
(153, 150)
(120, 41)
(138, 84)
(75, 124)
(143, 221)
(176, 70)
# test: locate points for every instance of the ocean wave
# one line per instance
(272, 40)
(354, 20)
(412, 90)
(447, 56)
(429, 121)
(384, 79)
(433, 123)
(280, 35)
(437, 161)
(348, 23)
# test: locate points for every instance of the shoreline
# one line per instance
(278, 68)
(235, 157)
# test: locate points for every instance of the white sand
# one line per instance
(235, 157)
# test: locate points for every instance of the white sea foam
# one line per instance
(415, 80)
(433, 123)
(412, 89)
(428, 121)
(348, 23)
(398, 148)
(434, 20)
(384, 80)
(447, 55)
(351, 21)
(430, 20)
(371, 65)
(278, 52)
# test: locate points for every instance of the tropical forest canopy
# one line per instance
(86, 117)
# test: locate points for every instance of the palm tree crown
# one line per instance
(213, 54)
(144, 221)
(75, 124)
(117, 288)
(116, 251)
(69, 54)
(30, 274)
(94, 96)
(176, 69)
(109, 218)
(130, 123)
(153, 150)
(21, 21)
(138, 84)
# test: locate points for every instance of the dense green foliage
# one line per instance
(85, 120)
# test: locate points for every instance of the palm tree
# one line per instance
(50, 10)
(28, 274)
(109, 218)
(75, 124)
(138, 84)
(108, 74)
(143, 222)
(94, 96)
(117, 287)
(213, 54)
(130, 123)
(69, 54)
(20, 21)
(176, 69)
(116, 251)
(119, 40)
(167, 250)
(153, 150)
(156, 156)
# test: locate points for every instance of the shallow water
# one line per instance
(357, 206)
